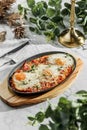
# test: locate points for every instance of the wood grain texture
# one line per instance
(14, 100)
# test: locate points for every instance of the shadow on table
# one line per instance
(5, 108)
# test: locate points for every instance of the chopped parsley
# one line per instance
(33, 67)
(37, 86)
(59, 69)
(24, 82)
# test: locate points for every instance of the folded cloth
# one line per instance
(8, 45)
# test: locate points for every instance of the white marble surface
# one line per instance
(16, 118)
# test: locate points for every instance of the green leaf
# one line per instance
(50, 12)
(20, 8)
(32, 29)
(52, 3)
(55, 3)
(43, 127)
(85, 29)
(82, 101)
(82, 92)
(53, 126)
(67, 5)
(33, 20)
(58, 5)
(73, 128)
(77, 10)
(83, 113)
(57, 19)
(39, 9)
(35, 11)
(31, 3)
(44, 17)
(64, 100)
(57, 31)
(50, 25)
(31, 118)
(41, 25)
(65, 12)
(44, 4)
(38, 31)
(40, 116)
(25, 17)
(50, 35)
(25, 13)
(85, 21)
(35, 29)
(48, 112)
(81, 4)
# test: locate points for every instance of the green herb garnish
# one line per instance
(59, 69)
(67, 115)
(33, 67)
(24, 82)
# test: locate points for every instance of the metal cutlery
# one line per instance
(15, 49)
(10, 61)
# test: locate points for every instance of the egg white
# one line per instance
(34, 78)
(68, 60)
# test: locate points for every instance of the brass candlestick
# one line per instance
(72, 37)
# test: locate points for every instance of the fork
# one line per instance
(11, 62)
(7, 64)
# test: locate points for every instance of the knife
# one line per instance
(15, 49)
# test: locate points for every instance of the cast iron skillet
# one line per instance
(31, 58)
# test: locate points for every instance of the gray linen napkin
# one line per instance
(6, 47)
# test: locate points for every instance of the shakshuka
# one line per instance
(42, 73)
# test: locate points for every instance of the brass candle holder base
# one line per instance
(71, 39)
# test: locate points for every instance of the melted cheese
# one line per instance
(34, 78)
(65, 58)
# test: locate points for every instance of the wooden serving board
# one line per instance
(14, 100)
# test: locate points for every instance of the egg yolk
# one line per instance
(47, 72)
(20, 76)
(59, 62)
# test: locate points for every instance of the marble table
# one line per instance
(16, 118)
